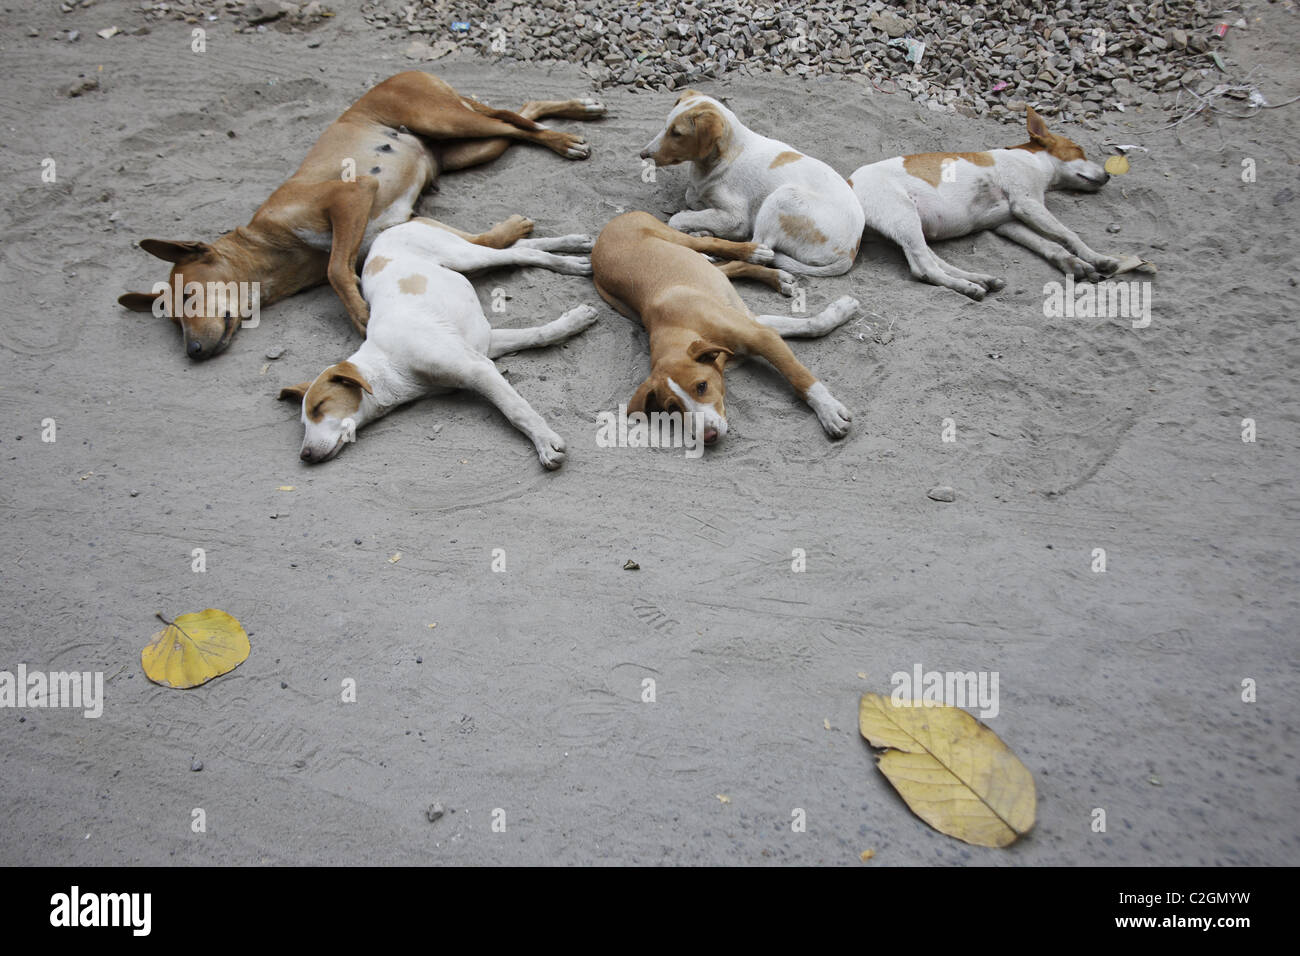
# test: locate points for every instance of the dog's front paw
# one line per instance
(835, 418)
(762, 255)
(785, 283)
(1073, 265)
(843, 307)
(579, 318)
(515, 228)
(574, 265)
(994, 284)
(1105, 265)
(592, 107)
(550, 451)
(575, 147)
(680, 221)
(574, 243)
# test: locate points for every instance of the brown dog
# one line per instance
(696, 321)
(364, 174)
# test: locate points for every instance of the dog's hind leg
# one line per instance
(475, 152)
(825, 321)
(721, 248)
(925, 265)
(502, 234)
(552, 333)
(483, 377)
(778, 279)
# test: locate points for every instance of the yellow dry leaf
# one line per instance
(285, 488)
(1117, 165)
(395, 558)
(954, 772)
(826, 723)
(722, 798)
(195, 648)
(865, 855)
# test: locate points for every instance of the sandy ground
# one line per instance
(1120, 690)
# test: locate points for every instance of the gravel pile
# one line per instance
(248, 14)
(1074, 59)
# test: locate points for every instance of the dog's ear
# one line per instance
(1038, 131)
(177, 252)
(644, 399)
(138, 301)
(702, 351)
(709, 127)
(349, 374)
(294, 392)
(687, 94)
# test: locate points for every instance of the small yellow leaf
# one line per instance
(826, 723)
(195, 648)
(722, 798)
(1117, 165)
(395, 558)
(954, 772)
(285, 488)
(865, 855)
(434, 624)
(862, 675)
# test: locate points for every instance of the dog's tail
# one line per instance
(506, 116)
(836, 268)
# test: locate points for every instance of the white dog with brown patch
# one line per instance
(910, 199)
(428, 335)
(748, 187)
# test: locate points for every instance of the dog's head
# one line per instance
(1073, 169)
(211, 303)
(692, 386)
(329, 407)
(695, 132)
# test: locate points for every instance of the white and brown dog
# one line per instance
(933, 196)
(697, 322)
(428, 335)
(365, 173)
(748, 187)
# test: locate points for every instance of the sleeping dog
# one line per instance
(428, 335)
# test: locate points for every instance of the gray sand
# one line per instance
(1119, 690)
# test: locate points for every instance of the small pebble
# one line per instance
(274, 353)
(284, 685)
(941, 493)
(197, 765)
(434, 813)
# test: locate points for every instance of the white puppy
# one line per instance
(428, 335)
(910, 199)
(745, 186)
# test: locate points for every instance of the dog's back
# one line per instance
(640, 269)
(416, 303)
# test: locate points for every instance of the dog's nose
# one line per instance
(645, 153)
(195, 350)
(306, 455)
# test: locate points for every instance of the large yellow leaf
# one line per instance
(195, 648)
(954, 772)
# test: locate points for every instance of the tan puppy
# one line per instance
(648, 270)
(364, 174)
